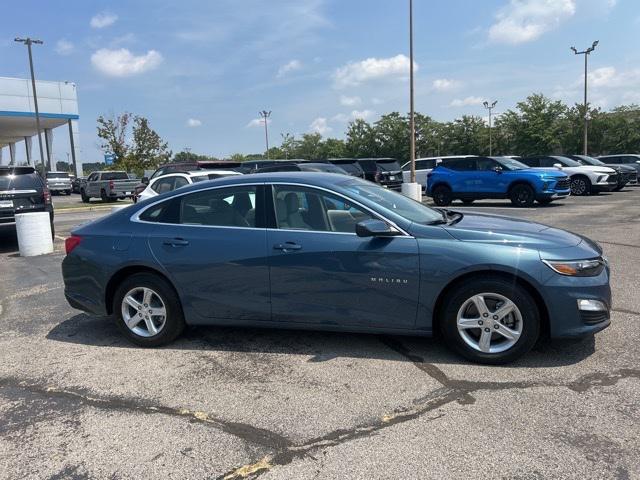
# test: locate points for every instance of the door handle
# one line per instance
(287, 246)
(176, 242)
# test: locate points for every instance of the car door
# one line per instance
(465, 179)
(323, 273)
(491, 179)
(215, 251)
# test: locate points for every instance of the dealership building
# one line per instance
(58, 113)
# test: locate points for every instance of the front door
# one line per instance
(323, 273)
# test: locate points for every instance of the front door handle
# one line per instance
(176, 242)
(287, 246)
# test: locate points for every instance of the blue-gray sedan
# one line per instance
(321, 251)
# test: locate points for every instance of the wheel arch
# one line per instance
(483, 275)
(120, 275)
(515, 183)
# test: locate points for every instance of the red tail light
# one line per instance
(46, 196)
(71, 242)
(111, 184)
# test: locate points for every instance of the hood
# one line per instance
(598, 169)
(512, 231)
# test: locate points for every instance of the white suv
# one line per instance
(423, 168)
(585, 179)
(172, 181)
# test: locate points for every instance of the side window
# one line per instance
(486, 164)
(91, 178)
(532, 162)
(548, 162)
(460, 164)
(163, 185)
(420, 165)
(180, 182)
(220, 207)
(300, 208)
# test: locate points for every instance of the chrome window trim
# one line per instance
(136, 216)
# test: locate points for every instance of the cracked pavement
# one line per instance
(77, 401)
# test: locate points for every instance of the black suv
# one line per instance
(302, 167)
(22, 190)
(349, 165)
(385, 171)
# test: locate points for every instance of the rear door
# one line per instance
(323, 273)
(212, 243)
(464, 180)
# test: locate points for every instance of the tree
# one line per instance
(391, 135)
(112, 131)
(360, 139)
(185, 156)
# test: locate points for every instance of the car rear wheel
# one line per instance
(84, 197)
(580, 186)
(147, 310)
(492, 321)
(522, 195)
(442, 195)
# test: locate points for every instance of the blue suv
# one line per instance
(475, 178)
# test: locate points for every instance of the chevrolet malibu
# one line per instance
(324, 252)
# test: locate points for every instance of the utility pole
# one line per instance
(264, 114)
(28, 42)
(586, 54)
(412, 126)
(490, 108)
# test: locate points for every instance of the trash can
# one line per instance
(34, 233)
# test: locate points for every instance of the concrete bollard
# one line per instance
(412, 190)
(34, 233)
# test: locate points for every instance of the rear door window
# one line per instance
(220, 207)
(163, 185)
(486, 164)
(460, 164)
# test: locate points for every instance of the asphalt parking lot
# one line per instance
(78, 401)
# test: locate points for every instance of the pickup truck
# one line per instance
(58, 182)
(108, 185)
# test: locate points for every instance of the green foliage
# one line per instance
(185, 156)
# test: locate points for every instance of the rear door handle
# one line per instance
(176, 242)
(287, 246)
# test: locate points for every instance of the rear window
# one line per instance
(57, 175)
(29, 181)
(115, 176)
(388, 165)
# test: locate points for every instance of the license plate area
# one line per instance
(6, 203)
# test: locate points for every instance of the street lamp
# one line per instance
(489, 106)
(265, 117)
(586, 54)
(28, 42)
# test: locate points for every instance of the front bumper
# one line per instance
(561, 295)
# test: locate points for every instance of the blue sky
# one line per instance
(201, 70)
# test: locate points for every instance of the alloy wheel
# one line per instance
(143, 311)
(578, 186)
(489, 322)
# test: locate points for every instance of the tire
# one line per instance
(442, 196)
(467, 202)
(84, 197)
(167, 327)
(103, 196)
(522, 195)
(522, 323)
(580, 185)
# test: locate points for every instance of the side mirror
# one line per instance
(375, 228)
(637, 161)
(497, 169)
(558, 166)
(145, 180)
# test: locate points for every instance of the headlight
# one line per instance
(577, 268)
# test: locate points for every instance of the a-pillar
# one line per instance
(1, 161)
(12, 153)
(48, 140)
(74, 143)
(28, 145)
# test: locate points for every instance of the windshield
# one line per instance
(57, 175)
(511, 164)
(115, 176)
(586, 160)
(388, 166)
(567, 162)
(395, 202)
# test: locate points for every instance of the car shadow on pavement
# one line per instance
(318, 346)
(8, 242)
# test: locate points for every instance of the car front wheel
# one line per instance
(442, 196)
(522, 196)
(492, 321)
(147, 310)
(580, 186)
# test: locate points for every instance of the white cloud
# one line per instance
(355, 73)
(122, 63)
(350, 101)
(468, 101)
(445, 84)
(289, 67)
(257, 122)
(64, 47)
(344, 117)
(319, 125)
(522, 21)
(194, 122)
(103, 19)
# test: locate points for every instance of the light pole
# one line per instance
(489, 107)
(264, 114)
(28, 42)
(586, 54)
